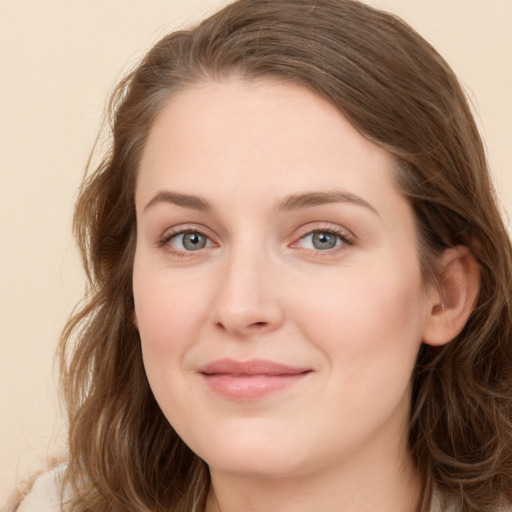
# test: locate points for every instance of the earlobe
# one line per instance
(453, 300)
(135, 322)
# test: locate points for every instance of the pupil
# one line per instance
(323, 240)
(194, 241)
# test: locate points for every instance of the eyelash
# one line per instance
(345, 238)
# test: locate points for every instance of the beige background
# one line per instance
(58, 61)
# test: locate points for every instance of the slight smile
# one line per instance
(250, 380)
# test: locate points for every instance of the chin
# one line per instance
(251, 453)
(256, 465)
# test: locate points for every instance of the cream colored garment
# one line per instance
(45, 493)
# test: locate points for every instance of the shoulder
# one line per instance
(45, 494)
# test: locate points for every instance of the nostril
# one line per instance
(247, 327)
(258, 324)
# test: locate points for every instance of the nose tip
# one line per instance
(249, 318)
(248, 301)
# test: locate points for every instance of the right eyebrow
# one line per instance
(183, 200)
(310, 199)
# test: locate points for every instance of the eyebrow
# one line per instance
(310, 199)
(183, 200)
(289, 203)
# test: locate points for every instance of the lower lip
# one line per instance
(250, 387)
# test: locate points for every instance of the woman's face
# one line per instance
(277, 285)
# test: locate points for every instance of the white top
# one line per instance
(45, 495)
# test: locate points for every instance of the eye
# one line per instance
(324, 240)
(187, 241)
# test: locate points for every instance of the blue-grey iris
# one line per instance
(324, 240)
(194, 241)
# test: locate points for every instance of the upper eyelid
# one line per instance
(309, 228)
(185, 228)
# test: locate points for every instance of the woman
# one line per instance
(300, 282)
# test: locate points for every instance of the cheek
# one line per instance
(168, 315)
(367, 321)
(369, 331)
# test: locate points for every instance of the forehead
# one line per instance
(237, 138)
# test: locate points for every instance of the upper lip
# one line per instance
(251, 367)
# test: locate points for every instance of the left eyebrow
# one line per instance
(183, 200)
(310, 199)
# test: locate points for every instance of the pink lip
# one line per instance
(250, 380)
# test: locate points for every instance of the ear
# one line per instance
(453, 300)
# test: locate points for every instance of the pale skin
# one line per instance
(269, 228)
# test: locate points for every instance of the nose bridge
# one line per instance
(248, 291)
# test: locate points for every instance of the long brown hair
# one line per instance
(400, 94)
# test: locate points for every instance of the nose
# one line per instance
(248, 300)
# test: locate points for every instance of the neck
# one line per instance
(369, 484)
